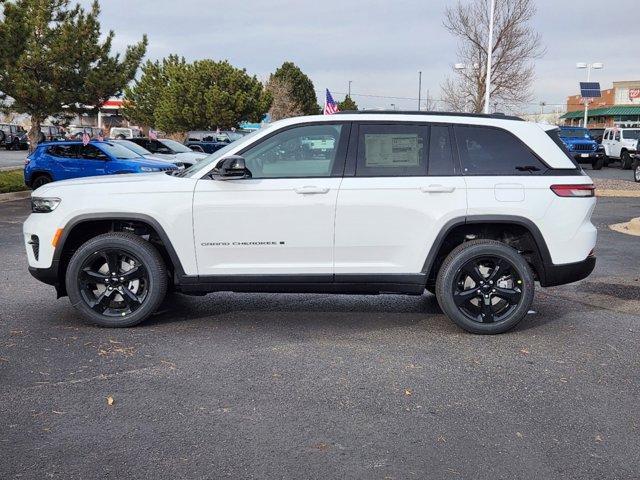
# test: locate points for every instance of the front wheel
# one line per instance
(625, 161)
(116, 280)
(598, 163)
(485, 287)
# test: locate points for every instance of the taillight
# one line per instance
(585, 190)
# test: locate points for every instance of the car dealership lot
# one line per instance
(319, 386)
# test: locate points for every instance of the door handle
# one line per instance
(311, 190)
(437, 189)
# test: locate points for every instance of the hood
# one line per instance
(156, 158)
(106, 179)
(190, 157)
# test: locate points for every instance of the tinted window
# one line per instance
(65, 151)
(617, 136)
(306, 151)
(492, 151)
(90, 152)
(119, 152)
(440, 151)
(392, 150)
(175, 146)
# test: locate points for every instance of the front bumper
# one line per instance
(588, 157)
(568, 272)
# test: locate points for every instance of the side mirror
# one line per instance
(232, 167)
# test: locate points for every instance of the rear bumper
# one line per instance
(568, 272)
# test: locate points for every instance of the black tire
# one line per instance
(597, 164)
(636, 170)
(625, 161)
(39, 180)
(116, 300)
(2, 136)
(512, 302)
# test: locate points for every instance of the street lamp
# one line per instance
(588, 67)
(487, 92)
(464, 66)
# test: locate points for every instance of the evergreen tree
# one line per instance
(304, 94)
(51, 56)
(347, 104)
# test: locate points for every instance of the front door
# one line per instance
(280, 221)
(391, 207)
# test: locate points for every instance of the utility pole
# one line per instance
(349, 94)
(489, 54)
(419, 88)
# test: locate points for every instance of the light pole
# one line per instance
(349, 94)
(588, 67)
(487, 92)
(419, 88)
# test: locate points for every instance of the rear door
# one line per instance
(401, 186)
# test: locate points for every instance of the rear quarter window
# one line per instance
(493, 151)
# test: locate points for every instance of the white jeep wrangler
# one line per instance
(473, 208)
(621, 144)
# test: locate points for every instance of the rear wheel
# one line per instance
(636, 170)
(40, 180)
(116, 280)
(625, 160)
(485, 287)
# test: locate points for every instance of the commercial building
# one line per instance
(618, 106)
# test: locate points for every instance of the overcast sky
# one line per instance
(379, 45)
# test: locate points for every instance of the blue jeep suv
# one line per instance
(582, 147)
(54, 161)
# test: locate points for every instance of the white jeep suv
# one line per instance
(473, 208)
(621, 144)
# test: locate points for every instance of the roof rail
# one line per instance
(497, 115)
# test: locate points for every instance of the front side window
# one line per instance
(90, 152)
(392, 150)
(63, 151)
(305, 151)
(493, 151)
(617, 136)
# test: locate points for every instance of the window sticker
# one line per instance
(391, 150)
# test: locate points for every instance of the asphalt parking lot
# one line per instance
(317, 386)
(12, 158)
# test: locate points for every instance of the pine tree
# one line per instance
(302, 89)
(347, 104)
(51, 56)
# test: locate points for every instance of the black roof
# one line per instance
(500, 116)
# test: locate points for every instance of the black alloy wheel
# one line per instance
(487, 289)
(116, 279)
(113, 282)
(485, 286)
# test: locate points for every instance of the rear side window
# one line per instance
(440, 151)
(493, 151)
(392, 150)
(64, 151)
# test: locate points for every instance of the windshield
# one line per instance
(175, 146)
(631, 134)
(214, 157)
(133, 146)
(118, 151)
(574, 133)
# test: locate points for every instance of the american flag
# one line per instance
(153, 135)
(85, 138)
(330, 106)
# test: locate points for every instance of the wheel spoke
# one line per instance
(102, 302)
(487, 311)
(511, 295)
(135, 273)
(91, 276)
(501, 269)
(130, 298)
(112, 262)
(472, 270)
(462, 297)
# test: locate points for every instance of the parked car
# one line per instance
(53, 161)
(146, 153)
(51, 133)
(13, 137)
(582, 147)
(170, 150)
(75, 132)
(475, 208)
(621, 144)
(208, 141)
(125, 132)
(596, 134)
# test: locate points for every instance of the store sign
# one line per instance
(634, 93)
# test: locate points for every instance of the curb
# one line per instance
(632, 227)
(13, 196)
(14, 167)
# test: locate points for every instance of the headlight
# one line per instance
(44, 204)
(149, 169)
(570, 146)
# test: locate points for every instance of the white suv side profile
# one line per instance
(473, 208)
(621, 144)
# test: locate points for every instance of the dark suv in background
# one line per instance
(13, 137)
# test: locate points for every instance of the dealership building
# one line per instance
(618, 106)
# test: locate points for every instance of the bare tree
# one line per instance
(283, 104)
(515, 46)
